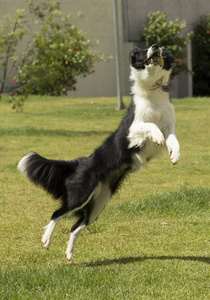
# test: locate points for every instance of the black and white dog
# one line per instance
(85, 185)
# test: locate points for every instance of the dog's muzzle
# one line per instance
(154, 56)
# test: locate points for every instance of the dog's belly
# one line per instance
(100, 199)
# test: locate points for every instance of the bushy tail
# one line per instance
(50, 174)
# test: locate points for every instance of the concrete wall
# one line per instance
(135, 15)
(98, 24)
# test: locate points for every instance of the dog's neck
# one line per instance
(148, 83)
(158, 84)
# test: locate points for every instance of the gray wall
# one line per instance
(98, 24)
(135, 15)
(135, 12)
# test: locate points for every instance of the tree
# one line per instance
(11, 33)
(201, 56)
(56, 53)
(166, 34)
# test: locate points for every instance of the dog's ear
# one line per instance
(134, 54)
(138, 58)
(169, 62)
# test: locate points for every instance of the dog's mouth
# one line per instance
(155, 59)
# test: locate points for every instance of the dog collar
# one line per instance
(158, 84)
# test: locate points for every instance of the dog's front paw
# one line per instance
(173, 149)
(174, 157)
(156, 136)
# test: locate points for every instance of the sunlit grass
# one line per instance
(152, 240)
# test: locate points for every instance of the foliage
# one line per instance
(11, 33)
(201, 56)
(56, 54)
(166, 34)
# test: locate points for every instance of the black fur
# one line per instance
(73, 181)
(138, 59)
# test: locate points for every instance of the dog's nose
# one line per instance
(155, 47)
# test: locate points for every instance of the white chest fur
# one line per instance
(153, 117)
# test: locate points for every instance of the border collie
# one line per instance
(85, 185)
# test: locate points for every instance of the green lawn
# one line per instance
(152, 240)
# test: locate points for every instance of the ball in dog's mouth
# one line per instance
(155, 59)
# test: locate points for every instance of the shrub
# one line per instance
(11, 33)
(57, 52)
(166, 34)
(201, 56)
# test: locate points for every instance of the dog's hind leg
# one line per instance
(75, 232)
(47, 236)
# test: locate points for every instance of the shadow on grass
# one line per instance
(32, 131)
(127, 260)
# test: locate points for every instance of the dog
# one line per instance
(86, 184)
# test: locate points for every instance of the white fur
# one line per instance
(101, 197)
(155, 120)
(46, 238)
(150, 52)
(22, 165)
(71, 243)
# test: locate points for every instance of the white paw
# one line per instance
(174, 157)
(157, 137)
(46, 242)
(173, 149)
(69, 257)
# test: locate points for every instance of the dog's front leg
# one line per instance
(141, 131)
(172, 144)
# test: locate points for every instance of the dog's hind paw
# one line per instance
(70, 261)
(46, 242)
(69, 258)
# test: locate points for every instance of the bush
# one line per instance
(57, 53)
(201, 56)
(166, 34)
(11, 33)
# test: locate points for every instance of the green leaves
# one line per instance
(11, 33)
(201, 62)
(166, 34)
(56, 55)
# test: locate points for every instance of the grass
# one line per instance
(152, 240)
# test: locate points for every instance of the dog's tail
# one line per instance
(50, 174)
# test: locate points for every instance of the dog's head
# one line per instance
(151, 65)
(153, 56)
